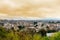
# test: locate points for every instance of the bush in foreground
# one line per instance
(11, 35)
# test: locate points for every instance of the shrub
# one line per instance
(11, 35)
(56, 36)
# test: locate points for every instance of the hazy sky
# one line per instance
(30, 8)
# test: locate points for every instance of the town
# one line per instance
(49, 26)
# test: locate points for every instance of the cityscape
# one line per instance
(29, 19)
(32, 24)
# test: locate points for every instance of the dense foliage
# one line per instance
(18, 35)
